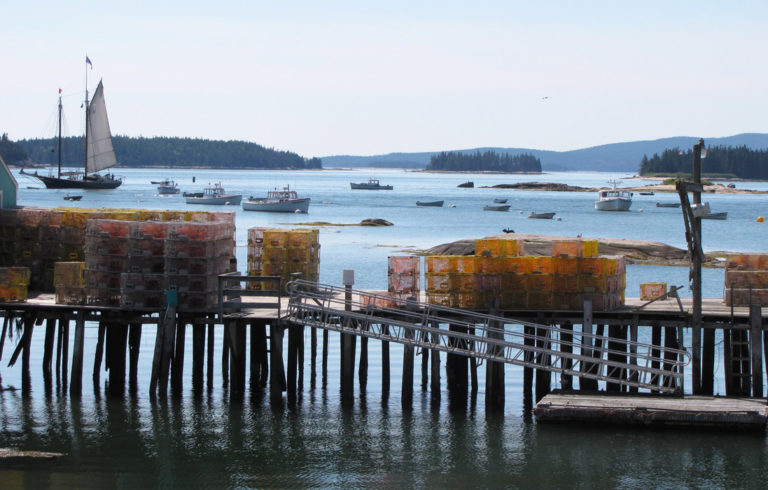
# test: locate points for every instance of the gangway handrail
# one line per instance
(364, 314)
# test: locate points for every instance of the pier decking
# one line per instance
(604, 353)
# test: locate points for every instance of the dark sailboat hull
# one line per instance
(89, 182)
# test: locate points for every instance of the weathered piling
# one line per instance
(406, 395)
(76, 384)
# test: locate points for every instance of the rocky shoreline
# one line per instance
(661, 188)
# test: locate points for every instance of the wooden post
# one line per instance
(6, 323)
(434, 387)
(473, 367)
(325, 357)
(696, 361)
(50, 333)
(670, 341)
(169, 330)
(614, 344)
(277, 373)
(64, 355)
(209, 356)
(293, 354)
(236, 341)
(655, 353)
(225, 349)
(529, 341)
(566, 347)
(76, 385)
(424, 363)
(117, 342)
(198, 358)
(406, 396)
(313, 356)
(261, 353)
(543, 376)
(634, 374)
(134, 345)
(348, 342)
(586, 384)
(385, 370)
(756, 341)
(26, 341)
(494, 370)
(362, 369)
(177, 366)
(99, 356)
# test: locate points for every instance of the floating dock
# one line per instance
(654, 411)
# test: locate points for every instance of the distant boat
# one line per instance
(214, 195)
(99, 152)
(467, 184)
(722, 215)
(500, 201)
(371, 185)
(168, 187)
(500, 207)
(278, 201)
(436, 204)
(613, 199)
(667, 204)
(646, 193)
(536, 215)
(70, 197)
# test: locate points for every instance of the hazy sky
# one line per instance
(357, 77)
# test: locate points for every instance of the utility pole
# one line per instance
(696, 274)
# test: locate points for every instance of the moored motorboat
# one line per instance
(613, 199)
(500, 201)
(72, 197)
(168, 187)
(721, 215)
(278, 201)
(213, 195)
(536, 215)
(436, 204)
(500, 207)
(371, 185)
(667, 204)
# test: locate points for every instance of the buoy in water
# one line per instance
(760, 219)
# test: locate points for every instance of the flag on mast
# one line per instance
(88, 62)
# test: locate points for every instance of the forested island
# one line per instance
(158, 152)
(488, 161)
(731, 162)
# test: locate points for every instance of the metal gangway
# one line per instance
(486, 337)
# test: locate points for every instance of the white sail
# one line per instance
(100, 153)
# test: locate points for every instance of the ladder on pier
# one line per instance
(486, 337)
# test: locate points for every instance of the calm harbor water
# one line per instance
(210, 442)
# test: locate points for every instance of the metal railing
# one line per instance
(487, 337)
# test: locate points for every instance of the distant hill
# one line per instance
(615, 157)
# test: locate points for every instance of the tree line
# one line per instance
(485, 161)
(741, 162)
(162, 152)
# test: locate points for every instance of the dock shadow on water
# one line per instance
(320, 438)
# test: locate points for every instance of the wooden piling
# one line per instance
(634, 375)
(385, 370)
(134, 346)
(50, 333)
(236, 340)
(26, 340)
(543, 375)
(209, 357)
(434, 386)
(117, 343)
(566, 346)
(102, 332)
(6, 322)
(362, 368)
(313, 356)
(670, 341)
(177, 364)
(76, 384)
(756, 343)
(587, 384)
(655, 353)
(294, 334)
(529, 341)
(406, 389)
(277, 372)
(494, 370)
(198, 358)
(616, 334)
(169, 331)
(225, 350)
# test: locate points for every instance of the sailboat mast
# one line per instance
(59, 152)
(85, 162)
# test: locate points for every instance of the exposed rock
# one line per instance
(544, 186)
(635, 251)
(9, 452)
(375, 222)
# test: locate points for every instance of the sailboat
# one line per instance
(99, 154)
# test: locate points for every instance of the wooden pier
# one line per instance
(589, 350)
